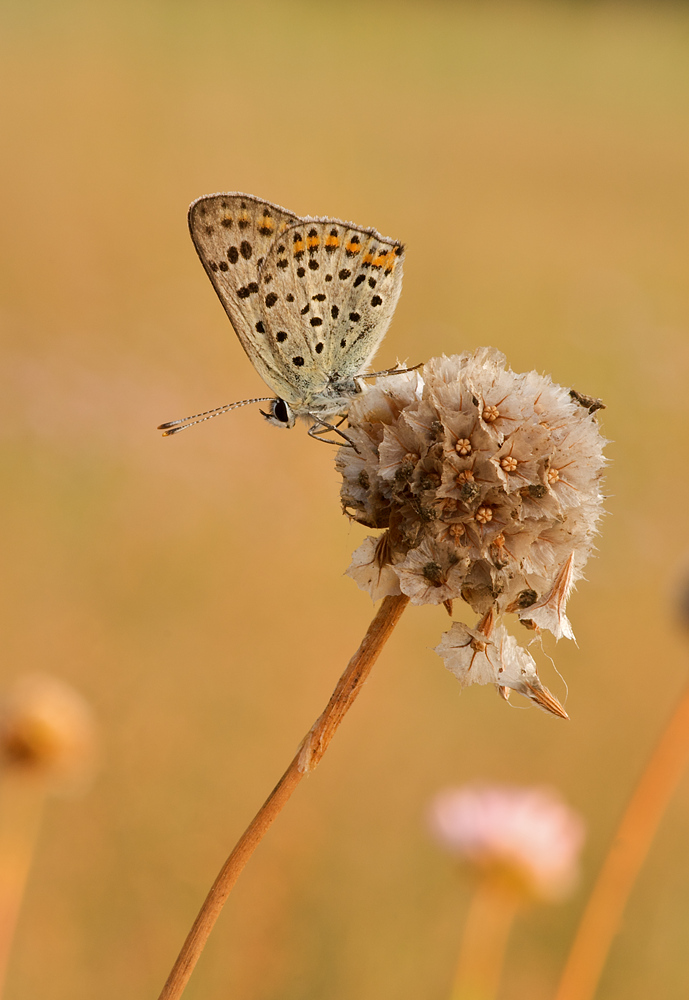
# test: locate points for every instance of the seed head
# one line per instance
(486, 486)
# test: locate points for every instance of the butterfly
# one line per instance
(310, 300)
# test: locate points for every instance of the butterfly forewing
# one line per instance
(327, 292)
(232, 234)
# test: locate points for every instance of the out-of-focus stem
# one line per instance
(482, 951)
(634, 836)
(21, 807)
(312, 748)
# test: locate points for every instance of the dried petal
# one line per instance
(549, 612)
(475, 658)
(432, 573)
(371, 572)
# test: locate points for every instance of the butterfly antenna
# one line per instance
(175, 426)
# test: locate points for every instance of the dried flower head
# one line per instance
(486, 484)
(526, 838)
(47, 732)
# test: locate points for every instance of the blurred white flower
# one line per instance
(47, 732)
(486, 484)
(526, 838)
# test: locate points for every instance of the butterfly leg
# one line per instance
(388, 371)
(391, 371)
(323, 427)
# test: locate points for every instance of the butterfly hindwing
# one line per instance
(327, 293)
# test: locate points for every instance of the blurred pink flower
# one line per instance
(526, 837)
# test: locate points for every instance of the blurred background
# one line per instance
(534, 158)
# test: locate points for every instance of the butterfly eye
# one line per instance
(280, 415)
(280, 411)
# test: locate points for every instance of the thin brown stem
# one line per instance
(484, 942)
(635, 834)
(312, 748)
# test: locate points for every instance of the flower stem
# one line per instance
(634, 836)
(312, 748)
(484, 941)
(21, 809)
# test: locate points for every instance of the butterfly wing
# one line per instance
(327, 293)
(232, 234)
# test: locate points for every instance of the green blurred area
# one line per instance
(534, 157)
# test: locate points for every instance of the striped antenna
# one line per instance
(175, 426)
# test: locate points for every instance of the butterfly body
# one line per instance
(310, 299)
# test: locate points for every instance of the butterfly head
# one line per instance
(279, 414)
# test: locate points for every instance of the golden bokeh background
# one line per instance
(534, 157)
